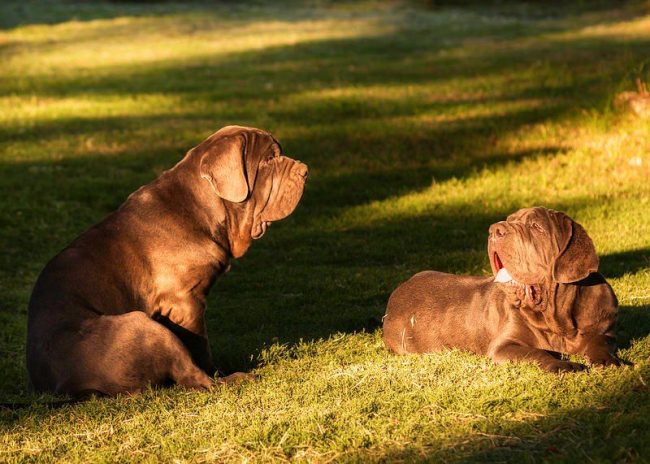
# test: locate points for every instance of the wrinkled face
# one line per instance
(526, 244)
(278, 188)
(256, 183)
(538, 245)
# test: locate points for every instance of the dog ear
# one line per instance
(223, 165)
(578, 259)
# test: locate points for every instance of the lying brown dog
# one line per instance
(545, 298)
(123, 306)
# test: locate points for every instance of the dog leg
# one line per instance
(512, 351)
(121, 354)
(598, 350)
(195, 339)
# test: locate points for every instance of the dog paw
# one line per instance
(605, 361)
(238, 378)
(566, 366)
(197, 381)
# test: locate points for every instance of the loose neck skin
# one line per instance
(546, 307)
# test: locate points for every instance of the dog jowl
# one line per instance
(123, 306)
(545, 298)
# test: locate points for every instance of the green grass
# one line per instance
(421, 125)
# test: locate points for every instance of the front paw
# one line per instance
(197, 380)
(603, 361)
(238, 378)
(564, 366)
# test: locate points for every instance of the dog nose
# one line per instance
(301, 170)
(498, 230)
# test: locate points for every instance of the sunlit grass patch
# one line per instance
(108, 45)
(612, 166)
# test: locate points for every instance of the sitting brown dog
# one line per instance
(123, 306)
(545, 298)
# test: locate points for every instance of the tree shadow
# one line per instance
(633, 325)
(625, 262)
(633, 321)
(17, 13)
(379, 58)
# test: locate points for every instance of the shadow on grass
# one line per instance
(17, 13)
(633, 325)
(407, 54)
(626, 262)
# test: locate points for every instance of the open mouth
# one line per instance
(498, 265)
(502, 274)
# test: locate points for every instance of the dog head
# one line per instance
(246, 170)
(539, 245)
(547, 263)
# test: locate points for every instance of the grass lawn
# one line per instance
(421, 125)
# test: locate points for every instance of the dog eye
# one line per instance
(274, 153)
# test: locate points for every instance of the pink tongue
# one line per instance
(503, 276)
